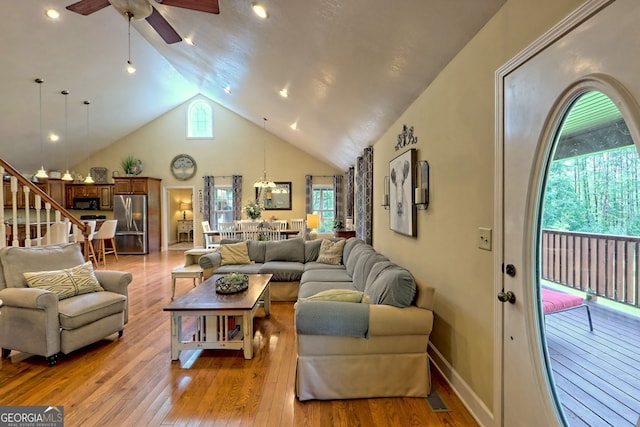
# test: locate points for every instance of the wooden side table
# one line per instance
(185, 226)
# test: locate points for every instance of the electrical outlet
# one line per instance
(484, 238)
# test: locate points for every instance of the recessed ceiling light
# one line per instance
(53, 137)
(294, 126)
(259, 10)
(188, 41)
(52, 13)
(227, 89)
(284, 93)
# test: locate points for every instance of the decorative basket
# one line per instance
(232, 283)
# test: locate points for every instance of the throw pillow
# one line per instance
(331, 252)
(234, 253)
(342, 295)
(65, 283)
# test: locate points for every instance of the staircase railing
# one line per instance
(20, 229)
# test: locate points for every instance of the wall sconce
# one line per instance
(184, 207)
(385, 199)
(422, 185)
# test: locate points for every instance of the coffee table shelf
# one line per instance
(216, 315)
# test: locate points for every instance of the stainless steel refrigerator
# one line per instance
(131, 232)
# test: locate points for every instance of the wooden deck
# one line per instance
(597, 374)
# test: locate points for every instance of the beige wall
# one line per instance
(237, 149)
(454, 122)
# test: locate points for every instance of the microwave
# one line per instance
(86, 203)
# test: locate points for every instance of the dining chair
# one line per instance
(209, 241)
(270, 234)
(298, 224)
(249, 230)
(105, 236)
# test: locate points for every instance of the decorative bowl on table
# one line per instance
(232, 283)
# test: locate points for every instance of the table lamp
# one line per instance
(313, 222)
(184, 207)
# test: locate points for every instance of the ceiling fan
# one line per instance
(143, 9)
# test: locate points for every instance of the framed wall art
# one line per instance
(278, 198)
(402, 211)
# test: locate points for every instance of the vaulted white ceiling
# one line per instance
(350, 68)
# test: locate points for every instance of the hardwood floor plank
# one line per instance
(131, 381)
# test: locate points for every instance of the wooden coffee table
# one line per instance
(221, 321)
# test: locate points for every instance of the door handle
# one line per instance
(507, 297)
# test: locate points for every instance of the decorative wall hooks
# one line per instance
(406, 137)
(421, 198)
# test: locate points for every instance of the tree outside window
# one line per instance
(222, 205)
(323, 204)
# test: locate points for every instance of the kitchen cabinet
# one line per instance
(104, 192)
(137, 185)
(20, 200)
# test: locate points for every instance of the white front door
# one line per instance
(595, 49)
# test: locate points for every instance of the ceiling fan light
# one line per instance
(134, 9)
(67, 176)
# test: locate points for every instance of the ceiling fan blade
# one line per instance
(162, 27)
(209, 6)
(87, 7)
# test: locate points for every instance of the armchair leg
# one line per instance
(5, 353)
(120, 332)
(51, 360)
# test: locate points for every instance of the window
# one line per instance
(200, 120)
(323, 204)
(222, 205)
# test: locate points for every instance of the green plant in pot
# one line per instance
(129, 165)
(337, 225)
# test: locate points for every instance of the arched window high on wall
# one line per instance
(200, 120)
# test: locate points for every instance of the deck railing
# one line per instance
(603, 265)
(26, 223)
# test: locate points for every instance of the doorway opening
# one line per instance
(179, 226)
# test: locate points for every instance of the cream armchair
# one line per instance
(33, 319)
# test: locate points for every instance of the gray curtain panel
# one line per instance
(337, 193)
(236, 181)
(364, 196)
(308, 185)
(209, 200)
(349, 177)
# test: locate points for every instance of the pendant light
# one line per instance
(264, 182)
(130, 68)
(42, 173)
(88, 179)
(67, 176)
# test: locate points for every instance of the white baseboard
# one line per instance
(469, 399)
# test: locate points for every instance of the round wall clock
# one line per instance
(183, 167)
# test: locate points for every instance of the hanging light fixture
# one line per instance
(88, 179)
(67, 176)
(130, 68)
(41, 173)
(264, 182)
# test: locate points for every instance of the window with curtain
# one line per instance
(323, 204)
(222, 205)
(200, 120)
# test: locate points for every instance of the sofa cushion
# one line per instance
(344, 295)
(312, 265)
(312, 288)
(393, 286)
(257, 250)
(331, 252)
(283, 271)
(285, 250)
(351, 243)
(363, 266)
(325, 275)
(235, 253)
(67, 282)
(355, 254)
(18, 260)
(83, 309)
(311, 250)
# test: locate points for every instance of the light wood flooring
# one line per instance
(131, 381)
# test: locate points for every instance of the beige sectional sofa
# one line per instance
(362, 325)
